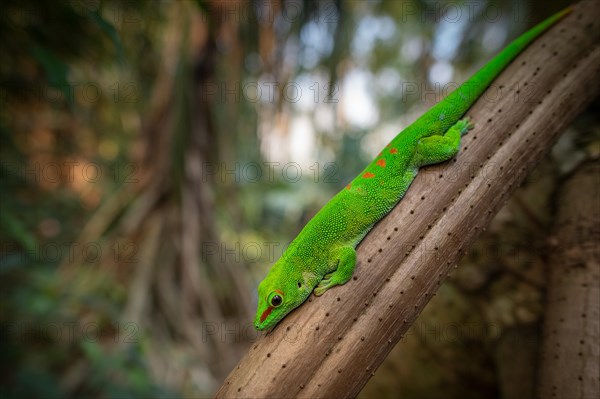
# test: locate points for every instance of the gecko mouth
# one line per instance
(266, 313)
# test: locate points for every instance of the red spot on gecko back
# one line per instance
(348, 187)
(381, 163)
(393, 151)
(368, 175)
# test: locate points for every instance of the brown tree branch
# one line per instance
(331, 345)
(571, 350)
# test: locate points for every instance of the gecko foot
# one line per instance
(464, 125)
(325, 284)
(346, 260)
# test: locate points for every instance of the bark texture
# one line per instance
(570, 357)
(332, 345)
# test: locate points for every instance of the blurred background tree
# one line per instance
(158, 156)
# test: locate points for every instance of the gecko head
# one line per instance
(280, 293)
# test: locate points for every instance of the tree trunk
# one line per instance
(571, 350)
(331, 345)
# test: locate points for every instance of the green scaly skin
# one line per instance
(323, 255)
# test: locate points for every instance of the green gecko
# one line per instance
(323, 254)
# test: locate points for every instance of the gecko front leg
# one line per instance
(436, 149)
(346, 261)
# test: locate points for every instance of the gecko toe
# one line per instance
(323, 286)
(464, 125)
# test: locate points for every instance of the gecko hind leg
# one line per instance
(436, 149)
(346, 261)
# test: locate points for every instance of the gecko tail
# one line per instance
(481, 80)
(448, 111)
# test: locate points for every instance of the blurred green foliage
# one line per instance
(42, 339)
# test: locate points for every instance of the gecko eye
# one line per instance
(275, 299)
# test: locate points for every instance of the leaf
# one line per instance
(56, 70)
(111, 32)
(17, 231)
